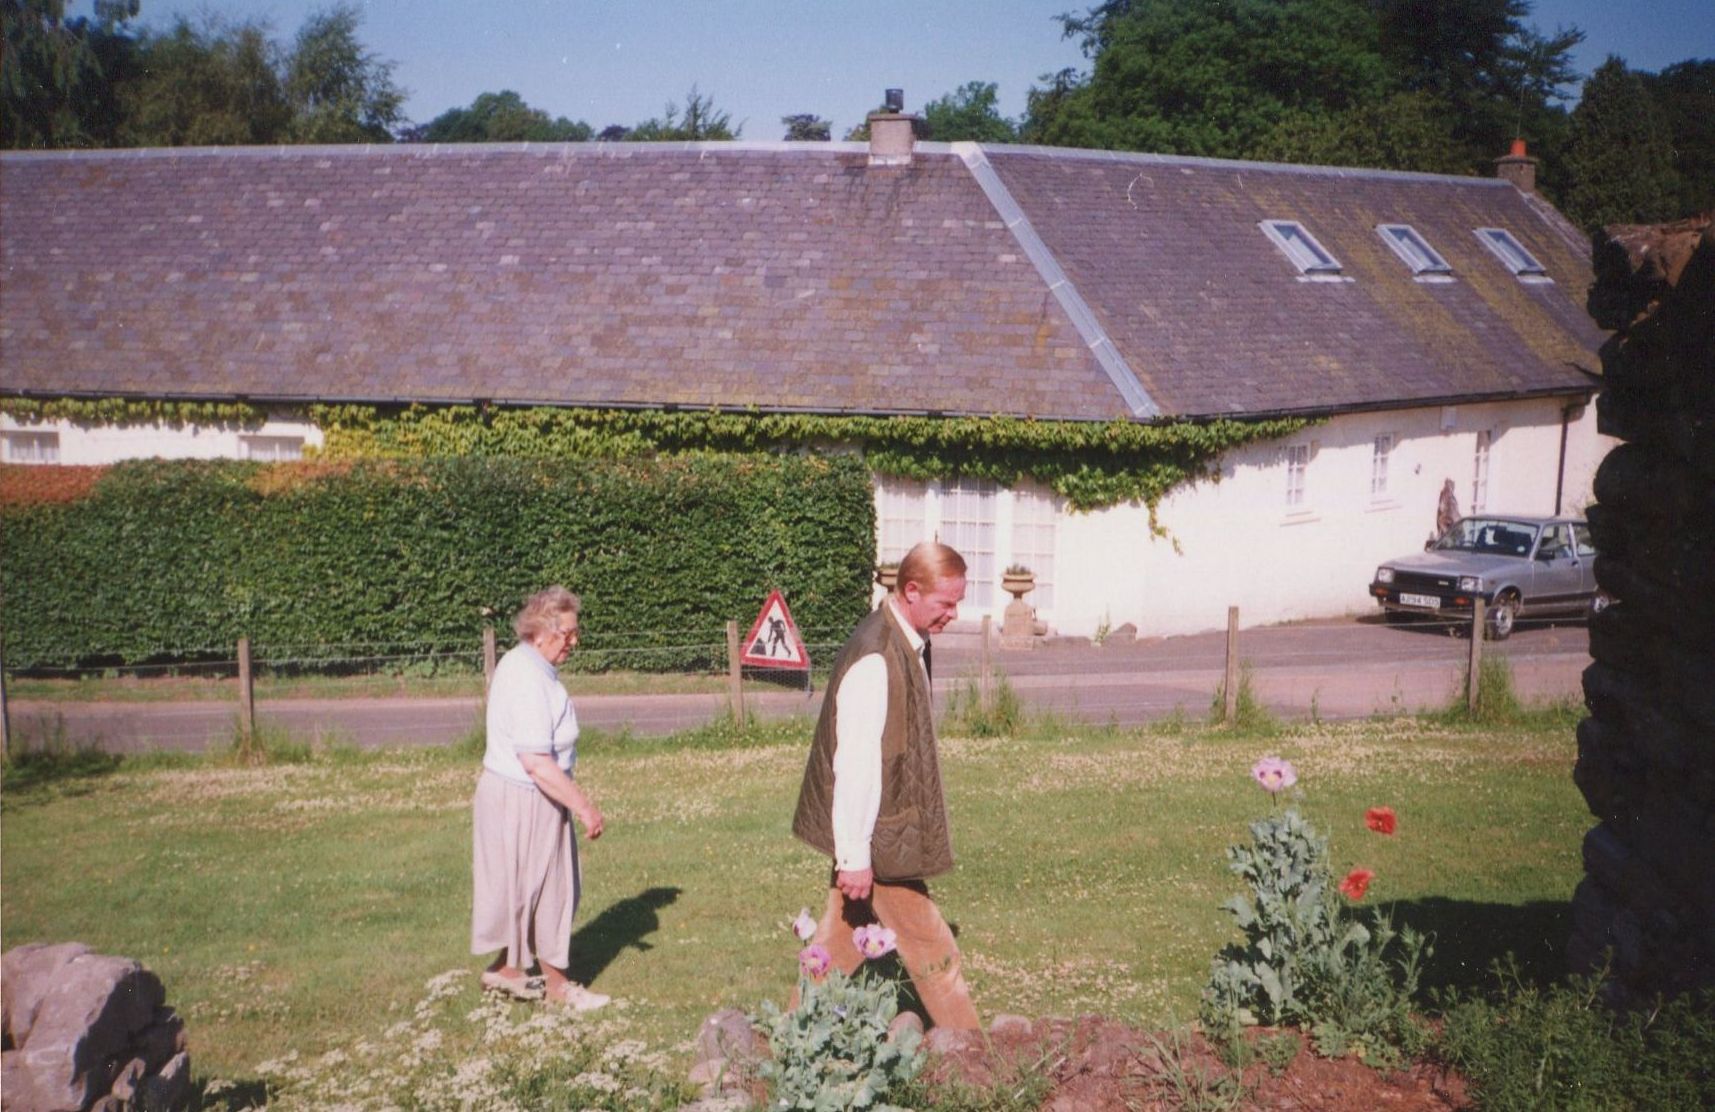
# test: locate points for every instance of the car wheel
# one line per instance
(1502, 615)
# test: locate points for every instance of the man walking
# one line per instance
(872, 797)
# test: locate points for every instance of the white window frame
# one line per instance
(1314, 262)
(1380, 452)
(1408, 243)
(1505, 246)
(909, 511)
(1297, 457)
(31, 446)
(1480, 470)
(267, 448)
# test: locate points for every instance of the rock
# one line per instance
(728, 1035)
(1015, 1025)
(904, 1021)
(952, 1040)
(82, 1027)
(171, 1088)
(1123, 634)
(709, 1072)
(26, 975)
(725, 1102)
(125, 1085)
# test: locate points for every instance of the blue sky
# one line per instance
(621, 61)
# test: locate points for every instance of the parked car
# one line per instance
(1516, 564)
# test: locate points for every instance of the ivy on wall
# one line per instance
(132, 411)
(1089, 464)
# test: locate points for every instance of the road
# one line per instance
(1333, 670)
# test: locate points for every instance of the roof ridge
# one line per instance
(1059, 283)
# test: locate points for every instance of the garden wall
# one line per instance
(162, 560)
(1646, 756)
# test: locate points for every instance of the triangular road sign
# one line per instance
(774, 641)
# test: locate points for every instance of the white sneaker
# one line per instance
(578, 998)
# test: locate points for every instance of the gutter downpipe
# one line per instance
(1560, 472)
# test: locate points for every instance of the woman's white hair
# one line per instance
(541, 612)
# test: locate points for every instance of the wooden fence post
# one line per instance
(488, 659)
(1474, 668)
(246, 691)
(735, 675)
(986, 677)
(1230, 711)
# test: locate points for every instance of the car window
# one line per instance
(1586, 546)
(1555, 542)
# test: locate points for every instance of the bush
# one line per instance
(832, 1051)
(1524, 1047)
(175, 560)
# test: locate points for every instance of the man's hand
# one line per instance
(855, 884)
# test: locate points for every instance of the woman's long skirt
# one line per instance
(525, 867)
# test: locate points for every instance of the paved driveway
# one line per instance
(1343, 669)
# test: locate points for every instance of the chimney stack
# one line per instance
(891, 134)
(1518, 168)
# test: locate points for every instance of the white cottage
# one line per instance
(1431, 327)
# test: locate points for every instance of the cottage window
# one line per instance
(271, 449)
(1411, 247)
(1298, 245)
(1297, 464)
(1378, 465)
(1512, 253)
(968, 524)
(1480, 473)
(903, 520)
(1034, 514)
(32, 447)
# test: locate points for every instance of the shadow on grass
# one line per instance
(1469, 937)
(233, 1097)
(624, 925)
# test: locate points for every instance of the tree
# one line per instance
(339, 92)
(1407, 131)
(57, 76)
(501, 117)
(1685, 94)
(1208, 79)
(969, 113)
(206, 84)
(807, 127)
(701, 121)
(1620, 159)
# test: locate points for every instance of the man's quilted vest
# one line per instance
(911, 839)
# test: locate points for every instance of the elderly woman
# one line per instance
(526, 854)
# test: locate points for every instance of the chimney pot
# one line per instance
(894, 99)
(1518, 168)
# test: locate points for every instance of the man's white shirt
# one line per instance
(860, 710)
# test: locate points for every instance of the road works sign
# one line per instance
(774, 641)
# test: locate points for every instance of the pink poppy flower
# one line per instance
(1274, 774)
(815, 961)
(804, 926)
(874, 941)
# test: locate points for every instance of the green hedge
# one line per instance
(167, 561)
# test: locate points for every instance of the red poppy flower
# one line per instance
(1381, 820)
(1357, 882)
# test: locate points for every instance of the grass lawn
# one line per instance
(303, 907)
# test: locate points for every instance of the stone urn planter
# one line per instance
(1018, 583)
(1019, 627)
(886, 575)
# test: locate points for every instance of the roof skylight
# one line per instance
(1311, 258)
(1410, 246)
(1511, 252)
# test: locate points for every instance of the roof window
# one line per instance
(1298, 245)
(1511, 252)
(1424, 260)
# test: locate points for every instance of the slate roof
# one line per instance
(1054, 284)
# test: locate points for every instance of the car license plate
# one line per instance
(1419, 600)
